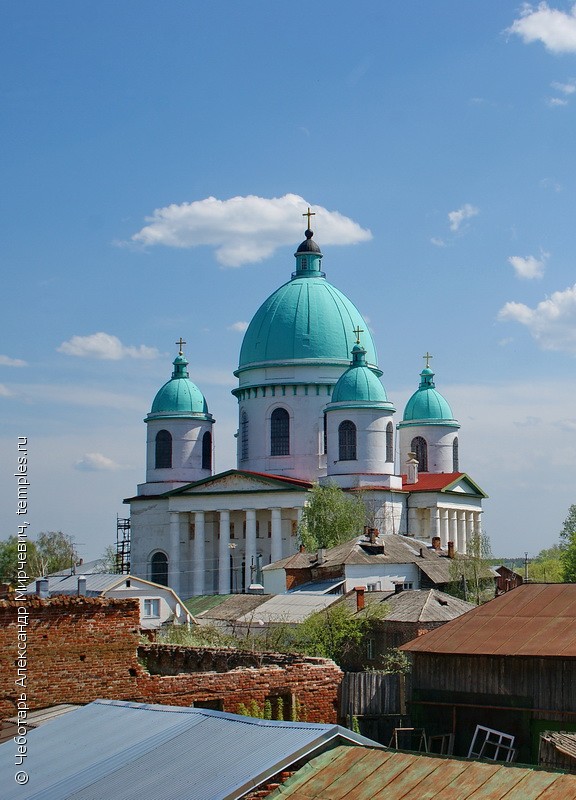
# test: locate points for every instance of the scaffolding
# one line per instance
(122, 545)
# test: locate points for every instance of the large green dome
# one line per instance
(179, 397)
(359, 384)
(305, 320)
(427, 405)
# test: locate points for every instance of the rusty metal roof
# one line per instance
(413, 605)
(531, 620)
(360, 773)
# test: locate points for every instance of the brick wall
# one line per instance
(79, 649)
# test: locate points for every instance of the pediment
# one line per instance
(235, 481)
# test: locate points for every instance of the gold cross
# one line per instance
(180, 342)
(309, 214)
(427, 357)
(357, 331)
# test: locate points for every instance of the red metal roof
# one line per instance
(431, 481)
(359, 773)
(535, 619)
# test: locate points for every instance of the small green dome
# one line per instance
(180, 397)
(306, 319)
(427, 404)
(360, 386)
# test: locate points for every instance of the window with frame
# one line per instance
(347, 441)
(420, 450)
(163, 454)
(244, 436)
(455, 457)
(389, 442)
(207, 451)
(370, 649)
(159, 568)
(151, 607)
(280, 432)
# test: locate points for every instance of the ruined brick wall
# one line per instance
(80, 649)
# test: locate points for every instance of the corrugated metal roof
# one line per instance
(318, 587)
(96, 583)
(358, 773)
(531, 620)
(234, 606)
(289, 608)
(120, 750)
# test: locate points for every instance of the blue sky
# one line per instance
(435, 141)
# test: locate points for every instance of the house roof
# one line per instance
(359, 772)
(289, 608)
(457, 482)
(232, 607)
(531, 620)
(391, 548)
(414, 605)
(126, 750)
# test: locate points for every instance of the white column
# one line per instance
(434, 522)
(224, 554)
(462, 531)
(174, 562)
(444, 528)
(453, 529)
(199, 553)
(250, 553)
(276, 550)
(469, 528)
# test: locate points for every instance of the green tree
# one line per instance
(331, 517)
(53, 551)
(568, 545)
(9, 559)
(470, 574)
(547, 566)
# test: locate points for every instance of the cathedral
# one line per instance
(311, 408)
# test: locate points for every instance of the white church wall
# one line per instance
(440, 440)
(186, 450)
(370, 442)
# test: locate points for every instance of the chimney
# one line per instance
(421, 552)
(359, 597)
(81, 585)
(321, 556)
(374, 533)
(436, 544)
(42, 588)
(451, 551)
(301, 549)
(398, 588)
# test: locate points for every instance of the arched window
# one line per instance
(163, 450)
(347, 441)
(389, 442)
(280, 433)
(159, 568)
(455, 461)
(244, 436)
(207, 450)
(420, 448)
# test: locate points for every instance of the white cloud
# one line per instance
(555, 29)
(529, 267)
(6, 361)
(4, 391)
(438, 242)
(96, 462)
(104, 346)
(564, 88)
(548, 183)
(456, 218)
(555, 102)
(245, 229)
(239, 326)
(552, 323)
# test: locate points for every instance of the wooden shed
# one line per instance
(509, 664)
